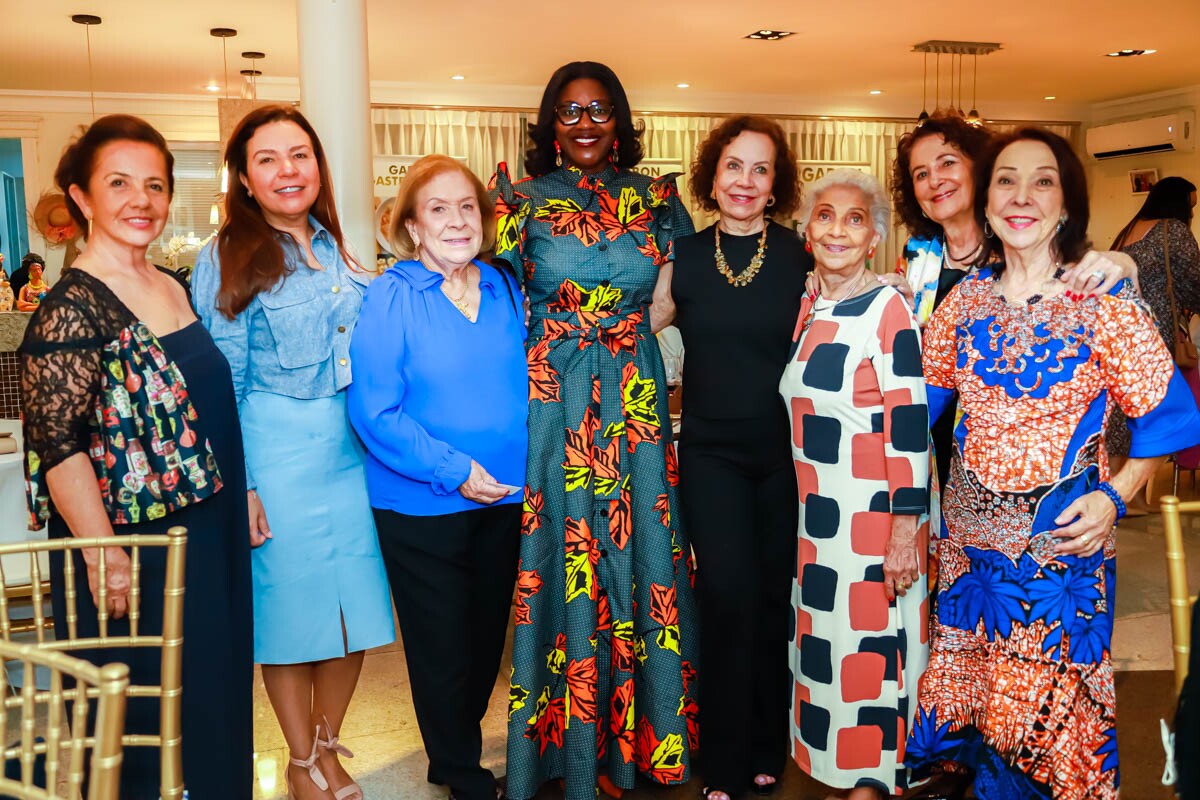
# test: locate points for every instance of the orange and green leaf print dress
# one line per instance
(604, 657)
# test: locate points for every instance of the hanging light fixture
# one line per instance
(973, 117)
(87, 21)
(954, 50)
(250, 90)
(924, 116)
(224, 34)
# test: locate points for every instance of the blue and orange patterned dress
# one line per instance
(1020, 684)
(604, 644)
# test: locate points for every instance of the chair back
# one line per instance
(170, 641)
(1181, 599)
(53, 723)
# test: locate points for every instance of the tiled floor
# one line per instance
(390, 762)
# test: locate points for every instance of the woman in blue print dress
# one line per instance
(604, 648)
(1019, 685)
(280, 295)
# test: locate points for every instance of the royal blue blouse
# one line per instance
(433, 391)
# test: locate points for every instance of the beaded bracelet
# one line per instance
(1107, 488)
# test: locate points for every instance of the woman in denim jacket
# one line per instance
(281, 295)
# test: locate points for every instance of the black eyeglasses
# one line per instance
(571, 113)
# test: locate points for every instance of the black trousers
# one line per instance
(738, 493)
(452, 581)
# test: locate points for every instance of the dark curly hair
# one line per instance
(785, 188)
(1071, 242)
(969, 140)
(540, 156)
(79, 157)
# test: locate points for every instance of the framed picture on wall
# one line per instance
(1140, 180)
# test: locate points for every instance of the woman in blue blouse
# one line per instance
(280, 295)
(440, 402)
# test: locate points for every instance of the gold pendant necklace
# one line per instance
(459, 302)
(745, 276)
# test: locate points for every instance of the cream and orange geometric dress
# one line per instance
(1019, 685)
(860, 440)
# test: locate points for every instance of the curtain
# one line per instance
(484, 138)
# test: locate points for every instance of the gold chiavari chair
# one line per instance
(170, 642)
(1177, 583)
(35, 709)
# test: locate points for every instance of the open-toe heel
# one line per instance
(351, 791)
(309, 764)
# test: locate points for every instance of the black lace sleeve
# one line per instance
(60, 376)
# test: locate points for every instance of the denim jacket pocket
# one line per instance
(299, 324)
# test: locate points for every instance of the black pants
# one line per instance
(452, 580)
(738, 492)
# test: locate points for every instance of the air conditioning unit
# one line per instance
(1159, 134)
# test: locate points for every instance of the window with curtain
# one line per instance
(483, 138)
(197, 189)
(486, 138)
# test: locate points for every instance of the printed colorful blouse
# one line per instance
(96, 380)
(1019, 684)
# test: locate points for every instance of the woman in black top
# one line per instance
(737, 287)
(131, 427)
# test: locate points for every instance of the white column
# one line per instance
(335, 97)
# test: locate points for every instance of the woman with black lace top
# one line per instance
(131, 427)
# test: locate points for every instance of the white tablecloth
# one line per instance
(14, 518)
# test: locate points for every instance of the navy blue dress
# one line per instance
(217, 715)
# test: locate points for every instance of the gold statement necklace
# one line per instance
(745, 276)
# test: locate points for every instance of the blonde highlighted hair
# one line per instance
(405, 208)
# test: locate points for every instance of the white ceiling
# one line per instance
(507, 50)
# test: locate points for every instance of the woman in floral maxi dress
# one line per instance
(603, 656)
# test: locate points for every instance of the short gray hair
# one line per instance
(881, 209)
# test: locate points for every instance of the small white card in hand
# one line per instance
(511, 489)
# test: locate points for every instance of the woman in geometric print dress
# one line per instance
(860, 441)
(1019, 685)
(604, 644)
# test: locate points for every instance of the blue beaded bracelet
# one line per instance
(1108, 489)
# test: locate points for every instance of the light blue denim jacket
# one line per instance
(295, 339)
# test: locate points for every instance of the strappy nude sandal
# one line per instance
(310, 764)
(351, 791)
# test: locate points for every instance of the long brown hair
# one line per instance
(250, 250)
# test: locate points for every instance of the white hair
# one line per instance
(881, 209)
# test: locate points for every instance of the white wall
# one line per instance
(1113, 204)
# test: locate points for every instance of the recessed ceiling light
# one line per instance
(458, 77)
(1129, 53)
(875, 91)
(1049, 97)
(682, 85)
(212, 87)
(768, 34)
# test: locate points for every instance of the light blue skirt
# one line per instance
(322, 566)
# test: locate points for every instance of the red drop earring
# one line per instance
(557, 154)
(807, 246)
(615, 155)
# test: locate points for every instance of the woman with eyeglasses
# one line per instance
(604, 646)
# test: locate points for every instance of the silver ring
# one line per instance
(1099, 275)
